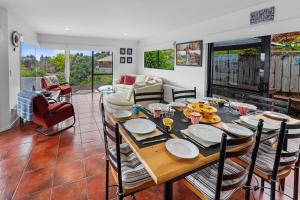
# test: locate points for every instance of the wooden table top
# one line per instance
(160, 164)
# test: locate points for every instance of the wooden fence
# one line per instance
(285, 74)
(238, 71)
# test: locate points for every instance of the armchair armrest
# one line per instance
(52, 86)
(56, 106)
(64, 83)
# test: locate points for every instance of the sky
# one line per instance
(37, 52)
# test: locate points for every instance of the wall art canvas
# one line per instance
(189, 53)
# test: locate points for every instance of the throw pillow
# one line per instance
(122, 79)
(129, 80)
(149, 78)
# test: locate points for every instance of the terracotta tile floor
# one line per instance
(69, 165)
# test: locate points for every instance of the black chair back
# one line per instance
(182, 94)
(111, 133)
(265, 103)
(148, 96)
(234, 152)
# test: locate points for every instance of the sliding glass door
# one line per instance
(90, 70)
(102, 69)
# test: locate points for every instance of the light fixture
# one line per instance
(67, 29)
(125, 34)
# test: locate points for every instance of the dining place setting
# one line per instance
(191, 127)
(173, 139)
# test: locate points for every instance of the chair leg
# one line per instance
(296, 180)
(273, 190)
(262, 184)
(106, 179)
(247, 193)
(281, 185)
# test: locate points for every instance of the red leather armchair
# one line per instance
(47, 115)
(51, 83)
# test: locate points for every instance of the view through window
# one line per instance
(88, 69)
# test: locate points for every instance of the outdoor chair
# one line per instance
(127, 171)
(265, 103)
(274, 164)
(183, 94)
(51, 83)
(47, 115)
(223, 179)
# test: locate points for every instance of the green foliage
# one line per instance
(161, 59)
(58, 62)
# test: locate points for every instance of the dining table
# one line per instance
(165, 168)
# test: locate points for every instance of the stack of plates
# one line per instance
(140, 126)
(205, 134)
(276, 115)
(121, 113)
(177, 104)
(253, 122)
(237, 130)
(236, 105)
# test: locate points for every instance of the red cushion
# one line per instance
(129, 80)
(122, 78)
(66, 89)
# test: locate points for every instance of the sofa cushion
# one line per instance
(140, 78)
(121, 80)
(129, 80)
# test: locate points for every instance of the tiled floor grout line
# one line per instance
(23, 173)
(53, 174)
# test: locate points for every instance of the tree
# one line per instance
(58, 62)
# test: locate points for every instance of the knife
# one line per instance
(157, 140)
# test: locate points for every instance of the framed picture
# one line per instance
(129, 51)
(122, 51)
(189, 53)
(129, 59)
(159, 59)
(122, 59)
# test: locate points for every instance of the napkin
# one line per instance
(140, 137)
(202, 142)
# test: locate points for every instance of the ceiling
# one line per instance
(112, 18)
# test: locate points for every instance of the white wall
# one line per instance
(10, 65)
(231, 26)
(90, 43)
(30, 37)
(4, 79)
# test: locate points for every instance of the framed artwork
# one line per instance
(122, 59)
(129, 59)
(159, 59)
(129, 51)
(122, 51)
(189, 53)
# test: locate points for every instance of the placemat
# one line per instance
(141, 144)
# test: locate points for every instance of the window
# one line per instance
(37, 62)
(237, 64)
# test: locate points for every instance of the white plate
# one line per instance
(237, 130)
(268, 125)
(236, 105)
(206, 132)
(193, 100)
(121, 113)
(162, 106)
(276, 115)
(182, 148)
(140, 126)
(177, 104)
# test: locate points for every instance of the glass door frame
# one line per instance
(100, 74)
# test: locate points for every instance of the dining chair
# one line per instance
(148, 97)
(128, 172)
(222, 179)
(293, 132)
(265, 103)
(274, 164)
(182, 94)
